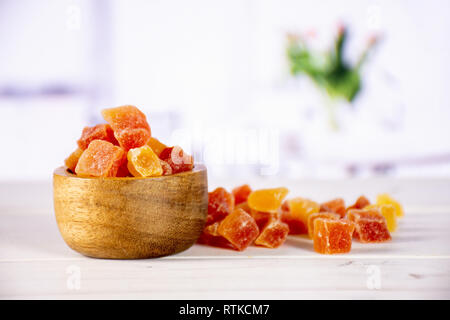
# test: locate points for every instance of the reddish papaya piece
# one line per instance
(98, 132)
(129, 125)
(100, 159)
(273, 235)
(239, 228)
(167, 169)
(335, 205)
(262, 218)
(220, 205)
(370, 225)
(332, 236)
(241, 193)
(360, 203)
(178, 160)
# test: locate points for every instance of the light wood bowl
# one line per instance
(130, 218)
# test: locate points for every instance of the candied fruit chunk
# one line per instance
(72, 159)
(388, 212)
(324, 215)
(267, 200)
(387, 199)
(360, 203)
(167, 169)
(98, 132)
(295, 213)
(239, 228)
(143, 162)
(273, 235)
(211, 237)
(130, 126)
(100, 159)
(241, 193)
(370, 225)
(220, 205)
(178, 160)
(335, 205)
(262, 218)
(332, 236)
(156, 145)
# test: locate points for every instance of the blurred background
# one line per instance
(255, 88)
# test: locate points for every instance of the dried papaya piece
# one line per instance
(360, 203)
(332, 236)
(178, 160)
(267, 200)
(370, 225)
(220, 205)
(387, 199)
(314, 216)
(143, 162)
(241, 193)
(244, 206)
(273, 235)
(211, 237)
(335, 205)
(156, 145)
(72, 159)
(239, 228)
(100, 159)
(129, 125)
(98, 132)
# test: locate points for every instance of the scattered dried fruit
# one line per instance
(220, 205)
(387, 199)
(335, 205)
(241, 193)
(273, 235)
(267, 200)
(239, 228)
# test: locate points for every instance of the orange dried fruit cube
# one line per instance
(241, 193)
(244, 206)
(178, 160)
(388, 212)
(239, 228)
(370, 225)
(143, 162)
(220, 205)
(267, 200)
(332, 236)
(211, 237)
(98, 132)
(273, 235)
(335, 205)
(100, 159)
(156, 145)
(314, 216)
(387, 199)
(130, 126)
(72, 159)
(360, 203)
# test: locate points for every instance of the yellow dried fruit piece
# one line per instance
(156, 145)
(302, 208)
(388, 212)
(143, 162)
(267, 200)
(387, 199)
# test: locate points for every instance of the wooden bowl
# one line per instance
(130, 218)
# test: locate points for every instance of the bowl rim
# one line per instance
(63, 171)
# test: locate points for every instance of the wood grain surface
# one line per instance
(130, 218)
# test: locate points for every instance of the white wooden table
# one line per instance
(36, 263)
